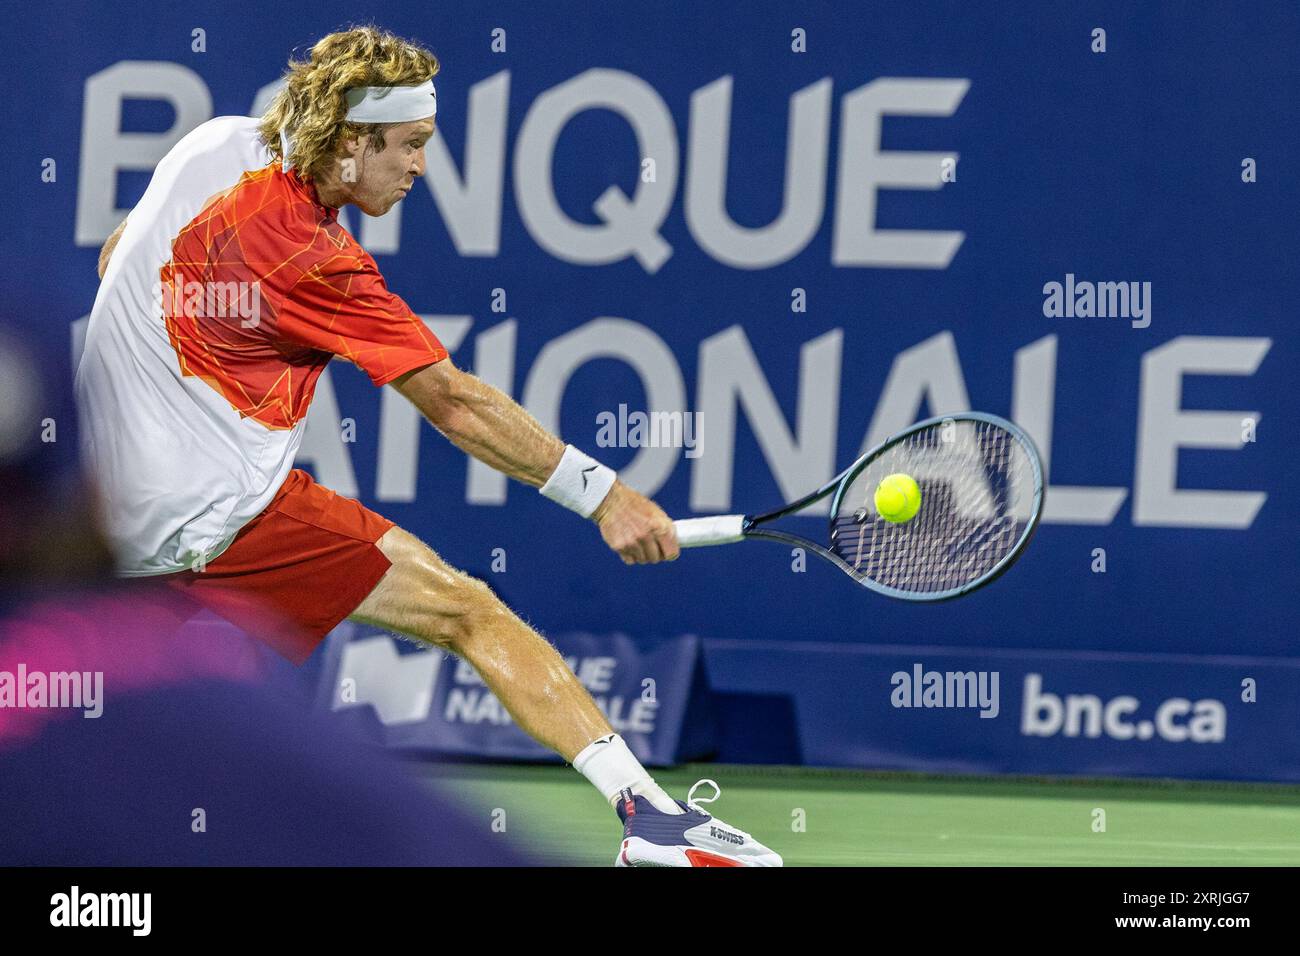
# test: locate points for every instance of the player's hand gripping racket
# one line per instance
(979, 481)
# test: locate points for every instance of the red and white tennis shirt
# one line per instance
(230, 289)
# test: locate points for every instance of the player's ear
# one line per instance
(352, 146)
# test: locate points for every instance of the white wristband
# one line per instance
(579, 482)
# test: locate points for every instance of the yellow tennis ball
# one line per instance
(898, 498)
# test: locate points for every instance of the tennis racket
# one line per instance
(981, 483)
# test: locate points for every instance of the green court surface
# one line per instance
(854, 818)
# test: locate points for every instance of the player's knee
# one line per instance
(472, 609)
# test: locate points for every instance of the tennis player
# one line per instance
(224, 294)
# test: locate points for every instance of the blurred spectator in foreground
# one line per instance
(133, 733)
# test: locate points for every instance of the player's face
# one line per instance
(385, 177)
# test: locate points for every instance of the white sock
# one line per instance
(611, 766)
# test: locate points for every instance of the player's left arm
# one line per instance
(106, 253)
(487, 423)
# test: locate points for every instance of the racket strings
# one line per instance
(976, 482)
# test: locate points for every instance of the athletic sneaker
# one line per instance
(694, 838)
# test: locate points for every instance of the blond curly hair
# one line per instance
(311, 107)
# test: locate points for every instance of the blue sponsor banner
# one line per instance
(797, 230)
(953, 710)
(423, 700)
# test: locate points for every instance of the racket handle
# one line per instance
(700, 532)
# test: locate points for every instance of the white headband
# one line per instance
(391, 104)
(381, 104)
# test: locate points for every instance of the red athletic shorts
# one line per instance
(296, 570)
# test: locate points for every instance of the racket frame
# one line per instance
(841, 482)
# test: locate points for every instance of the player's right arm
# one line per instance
(341, 305)
(485, 422)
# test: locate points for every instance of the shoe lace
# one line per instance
(693, 803)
